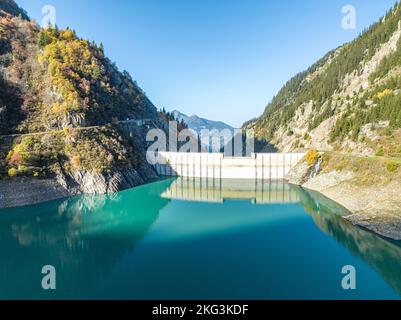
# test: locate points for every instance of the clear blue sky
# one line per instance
(221, 59)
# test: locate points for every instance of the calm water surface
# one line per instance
(194, 239)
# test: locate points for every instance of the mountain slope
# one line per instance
(10, 7)
(348, 105)
(61, 97)
(63, 80)
(349, 100)
(197, 124)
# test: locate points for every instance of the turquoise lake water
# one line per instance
(194, 239)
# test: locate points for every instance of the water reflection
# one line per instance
(219, 190)
(86, 237)
(382, 254)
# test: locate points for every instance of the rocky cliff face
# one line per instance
(27, 191)
(96, 183)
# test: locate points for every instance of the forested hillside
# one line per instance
(349, 100)
(10, 7)
(56, 84)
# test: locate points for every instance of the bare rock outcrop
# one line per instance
(28, 191)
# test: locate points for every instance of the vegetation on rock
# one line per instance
(62, 93)
(311, 157)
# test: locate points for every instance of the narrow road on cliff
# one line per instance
(139, 123)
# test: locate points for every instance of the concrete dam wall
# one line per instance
(274, 166)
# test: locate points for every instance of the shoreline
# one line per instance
(378, 218)
(25, 191)
(29, 191)
(383, 217)
(374, 204)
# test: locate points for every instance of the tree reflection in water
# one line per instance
(82, 237)
(85, 237)
(382, 254)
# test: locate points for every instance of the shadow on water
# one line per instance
(382, 254)
(85, 237)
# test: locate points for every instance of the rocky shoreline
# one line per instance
(25, 191)
(376, 207)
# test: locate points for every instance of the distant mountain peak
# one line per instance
(197, 123)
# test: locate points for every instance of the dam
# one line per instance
(259, 166)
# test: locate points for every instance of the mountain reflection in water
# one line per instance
(93, 240)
